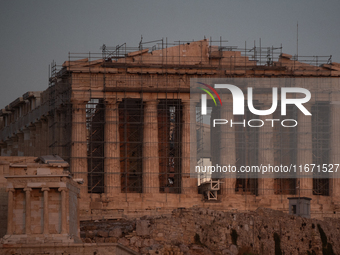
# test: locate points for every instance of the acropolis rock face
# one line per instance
(205, 231)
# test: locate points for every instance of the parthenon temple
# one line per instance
(121, 120)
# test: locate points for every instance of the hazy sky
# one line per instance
(33, 33)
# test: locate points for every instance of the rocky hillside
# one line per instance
(203, 231)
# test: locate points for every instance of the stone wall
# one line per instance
(204, 231)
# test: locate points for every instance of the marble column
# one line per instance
(21, 145)
(44, 136)
(9, 146)
(14, 145)
(78, 214)
(38, 147)
(189, 184)
(335, 148)
(45, 190)
(10, 211)
(32, 151)
(63, 210)
(61, 127)
(3, 149)
(28, 211)
(150, 148)
(112, 148)
(227, 147)
(266, 153)
(52, 134)
(26, 141)
(79, 143)
(305, 153)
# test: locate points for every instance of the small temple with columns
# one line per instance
(42, 202)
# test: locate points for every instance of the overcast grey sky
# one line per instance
(33, 33)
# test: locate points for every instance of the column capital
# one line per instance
(27, 189)
(266, 106)
(63, 189)
(44, 118)
(76, 101)
(151, 102)
(31, 127)
(20, 134)
(63, 179)
(45, 189)
(112, 100)
(38, 124)
(227, 106)
(10, 189)
(186, 102)
(150, 105)
(77, 104)
(190, 102)
(9, 143)
(14, 138)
